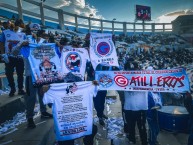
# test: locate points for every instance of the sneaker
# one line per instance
(104, 116)
(101, 122)
(30, 123)
(21, 92)
(12, 93)
(46, 115)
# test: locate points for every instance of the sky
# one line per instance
(163, 11)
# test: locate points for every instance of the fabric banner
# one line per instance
(72, 108)
(74, 60)
(45, 63)
(173, 80)
(102, 50)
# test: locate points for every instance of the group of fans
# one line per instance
(15, 34)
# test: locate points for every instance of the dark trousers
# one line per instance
(139, 117)
(122, 99)
(18, 64)
(88, 139)
(99, 102)
(153, 131)
(190, 138)
(30, 98)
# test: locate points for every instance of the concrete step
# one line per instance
(10, 106)
(41, 135)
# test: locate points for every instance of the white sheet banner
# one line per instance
(102, 50)
(173, 80)
(72, 108)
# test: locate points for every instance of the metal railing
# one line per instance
(61, 21)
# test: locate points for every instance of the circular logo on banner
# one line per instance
(73, 62)
(121, 81)
(105, 80)
(103, 48)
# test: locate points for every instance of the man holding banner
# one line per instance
(135, 109)
(104, 55)
(136, 83)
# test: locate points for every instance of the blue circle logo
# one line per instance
(103, 48)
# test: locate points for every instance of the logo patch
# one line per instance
(73, 62)
(121, 81)
(105, 80)
(71, 88)
(103, 49)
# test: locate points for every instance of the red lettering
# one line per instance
(159, 81)
(151, 81)
(170, 81)
(141, 81)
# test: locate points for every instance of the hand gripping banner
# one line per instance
(173, 80)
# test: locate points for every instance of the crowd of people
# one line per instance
(16, 34)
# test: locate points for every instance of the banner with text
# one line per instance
(173, 80)
(44, 62)
(102, 50)
(72, 108)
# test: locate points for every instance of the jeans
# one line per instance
(30, 98)
(153, 131)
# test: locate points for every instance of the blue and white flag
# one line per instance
(102, 50)
(173, 80)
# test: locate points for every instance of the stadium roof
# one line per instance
(182, 18)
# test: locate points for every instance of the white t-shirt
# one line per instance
(72, 108)
(74, 60)
(136, 100)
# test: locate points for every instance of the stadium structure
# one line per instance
(60, 20)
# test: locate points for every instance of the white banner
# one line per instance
(171, 80)
(102, 50)
(74, 60)
(72, 108)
